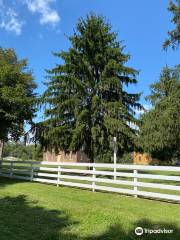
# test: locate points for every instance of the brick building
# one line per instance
(144, 159)
(63, 156)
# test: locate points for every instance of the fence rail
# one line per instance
(159, 182)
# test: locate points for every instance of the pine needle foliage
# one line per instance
(86, 100)
(173, 39)
(160, 127)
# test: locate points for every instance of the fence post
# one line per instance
(59, 175)
(11, 170)
(32, 172)
(94, 179)
(115, 155)
(115, 171)
(135, 182)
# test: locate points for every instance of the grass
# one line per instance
(31, 211)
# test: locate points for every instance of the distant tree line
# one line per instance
(23, 152)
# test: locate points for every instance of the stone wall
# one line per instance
(51, 156)
(144, 159)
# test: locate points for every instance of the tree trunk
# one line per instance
(91, 155)
(1, 148)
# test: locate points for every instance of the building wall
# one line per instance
(144, 159)
(80, 156)
(51, 156)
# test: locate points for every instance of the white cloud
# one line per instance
(9, 20)
(47, 14)
(9, 14)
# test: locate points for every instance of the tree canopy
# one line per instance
(17, 96)
(160, 127)
(22, 152)
(174, 35)
(86, 100)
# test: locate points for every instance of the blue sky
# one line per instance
(36, 28)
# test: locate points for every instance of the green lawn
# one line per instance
(34, 211)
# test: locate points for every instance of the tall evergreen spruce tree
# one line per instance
(86, 101)
(160, 128)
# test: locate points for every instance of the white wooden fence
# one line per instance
(159, 182)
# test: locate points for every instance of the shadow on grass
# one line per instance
(21, 219)
(116, 232)
(8, 181)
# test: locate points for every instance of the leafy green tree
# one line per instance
(16, 96)
(174, 35)
(86, 98)
(22, 151)
(160, 127)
